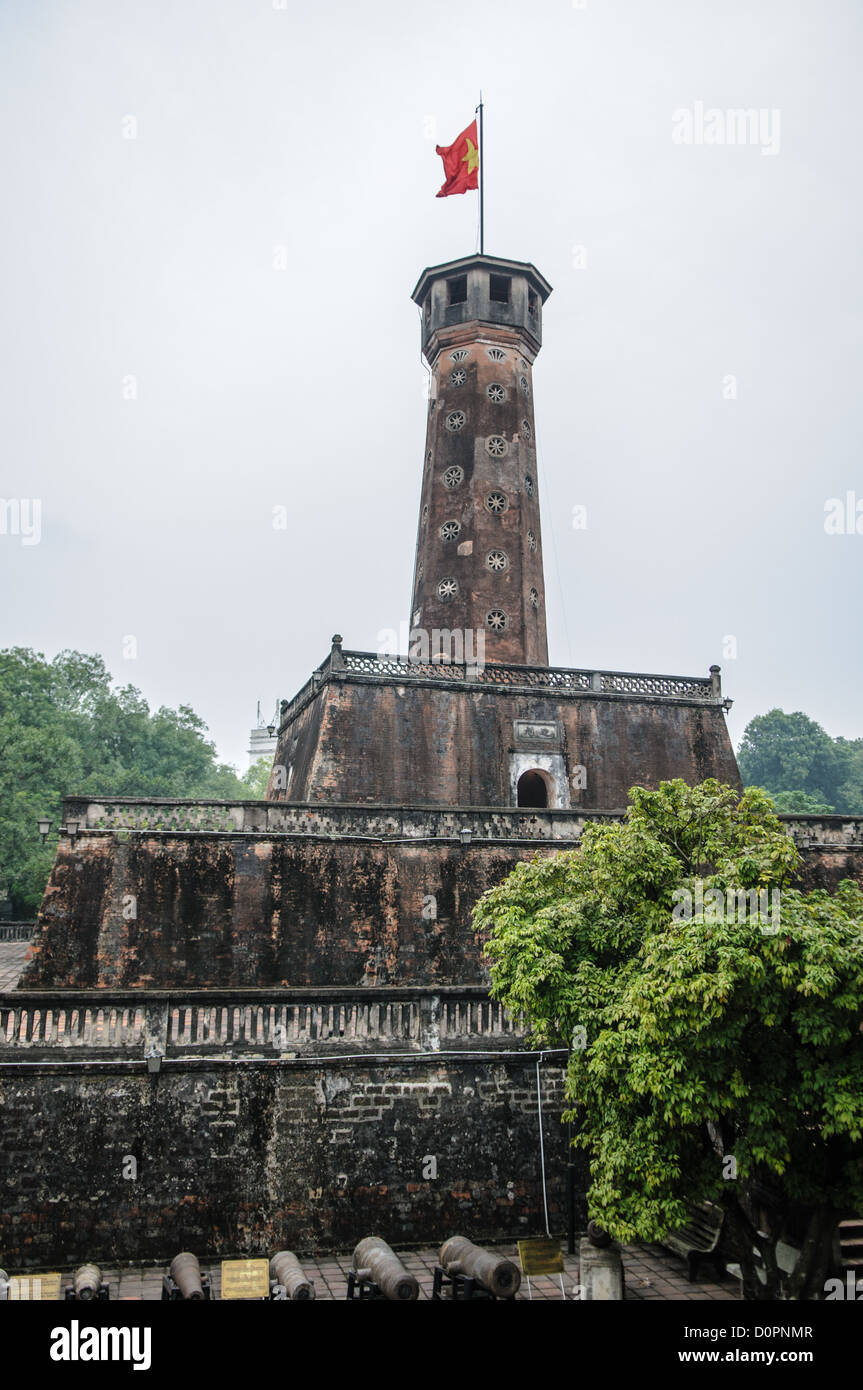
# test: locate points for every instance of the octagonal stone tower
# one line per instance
(479, 550)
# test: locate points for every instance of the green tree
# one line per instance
(715, 1052)
(790, 754)
(800, 803)
(66, 730)
(255, 779)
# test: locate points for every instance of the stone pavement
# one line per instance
(651, 1273)
(12, 957)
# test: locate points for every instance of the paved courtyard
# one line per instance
(12, 957)
(651, 1273)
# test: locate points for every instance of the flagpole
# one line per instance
(481, 167)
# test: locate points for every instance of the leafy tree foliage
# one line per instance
(66, 730)
(714, 1054)
(800, 803)
(256, 777)
(801, 765)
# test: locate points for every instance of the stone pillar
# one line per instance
(601, 1275)
(716, 682)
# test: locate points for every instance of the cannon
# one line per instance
(498, 1276)
(379, 1272)
(87, 1282)
(286, 1273)
(186, 1280)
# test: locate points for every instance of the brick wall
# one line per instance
(239, 1158)
(401, 743)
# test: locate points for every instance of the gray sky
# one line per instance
(675, 266)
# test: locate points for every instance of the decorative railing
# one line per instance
(124, 816)
(271, 1024)
(16, 931)
(559, 678)
(538, 677)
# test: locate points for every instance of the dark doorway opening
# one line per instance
(532, 790)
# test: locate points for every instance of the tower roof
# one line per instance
(498, 263)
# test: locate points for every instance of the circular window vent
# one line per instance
(496, 392)
(428, 456)
(497, 354)
(526, 429)
(496, 620)
(447, 589)
(425, 514)
(496, 502)
(528, 484)
(453, 476)
(496, 446)
(450, 530)
(420, 569)
(458, 377)
(524, 384)
(531, 540)
(455, 419)
(496, 560)
(460, 355)
(534, 598)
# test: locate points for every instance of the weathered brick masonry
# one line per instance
(365, 729)
(249, 1156)
(360, 896)
(232, 910)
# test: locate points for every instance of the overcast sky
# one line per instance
(166, 384)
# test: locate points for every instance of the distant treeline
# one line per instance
(802, 767)
(66, 730)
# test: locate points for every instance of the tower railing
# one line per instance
(544, 677)
(707, 689)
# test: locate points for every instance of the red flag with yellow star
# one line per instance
(460, 163)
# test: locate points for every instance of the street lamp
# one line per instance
(71, 828)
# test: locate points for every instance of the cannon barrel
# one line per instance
(374, 1259)
(186, 1274)
(286, 1269)
(87, 1281)
(495, 1273)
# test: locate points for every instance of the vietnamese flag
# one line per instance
(460, 163)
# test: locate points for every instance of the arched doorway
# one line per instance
(532, 790)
